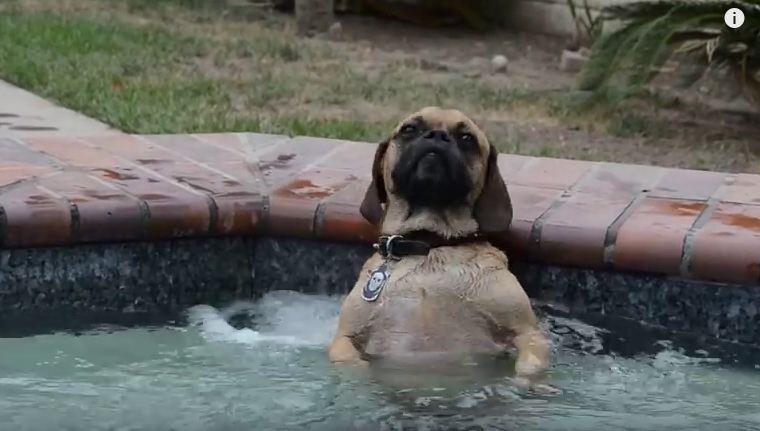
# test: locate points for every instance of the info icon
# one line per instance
(734, 17)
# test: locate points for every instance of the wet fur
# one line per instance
(455, 301)
(440, 303)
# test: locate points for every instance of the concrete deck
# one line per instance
(25, 114)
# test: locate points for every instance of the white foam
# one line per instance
(280, 317)
(671, 359)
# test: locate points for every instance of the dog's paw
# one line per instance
(358, 363)
(350, 362)
(546, 389)
(529, 365)
(537, 388)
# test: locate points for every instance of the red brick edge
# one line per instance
(62, 191)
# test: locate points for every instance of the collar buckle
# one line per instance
(384, 246)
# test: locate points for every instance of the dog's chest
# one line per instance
(419, 278)
(427, 305)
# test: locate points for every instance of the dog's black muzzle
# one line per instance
(432, 172)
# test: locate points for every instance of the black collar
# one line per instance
(417, 243)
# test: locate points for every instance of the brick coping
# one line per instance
(57, 191)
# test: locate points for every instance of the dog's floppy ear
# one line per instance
(493, 208)
(371, 207)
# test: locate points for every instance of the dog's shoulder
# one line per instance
(478, 255)
(452, 269)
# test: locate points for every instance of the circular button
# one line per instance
(734, 17)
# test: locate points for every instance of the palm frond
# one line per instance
(649, 9)
(607, 54)
(653, 32)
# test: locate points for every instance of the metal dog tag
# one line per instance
(375, 283)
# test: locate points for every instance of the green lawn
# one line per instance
(134, 70)
(146, 78)
(127, 76)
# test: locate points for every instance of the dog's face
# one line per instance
(438, 160)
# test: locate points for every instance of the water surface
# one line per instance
(272, 373)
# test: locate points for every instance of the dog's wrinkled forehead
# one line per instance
(445, 119)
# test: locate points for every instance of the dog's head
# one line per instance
(437, 172)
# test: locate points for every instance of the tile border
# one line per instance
(242, 184)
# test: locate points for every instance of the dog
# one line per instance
(436, 288)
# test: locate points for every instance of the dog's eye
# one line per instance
(409, 130)
(467, 140)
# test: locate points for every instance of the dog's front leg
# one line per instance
(352, 320)
(532, 354)
(532, 361)
(503, 301)
(342, 350)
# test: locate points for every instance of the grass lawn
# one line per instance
(129, 70)
(167, 67)
(132, 69)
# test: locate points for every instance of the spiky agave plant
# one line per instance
(691, 31)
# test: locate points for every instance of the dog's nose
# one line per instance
(438, 135)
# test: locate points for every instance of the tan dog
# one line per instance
(436, 287)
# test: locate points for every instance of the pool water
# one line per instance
(272, 373)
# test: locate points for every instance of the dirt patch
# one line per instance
(686, 129)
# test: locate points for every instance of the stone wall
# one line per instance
(142, 281)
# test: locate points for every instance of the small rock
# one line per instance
(335, 29)
(572, 61)
(499, 63)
